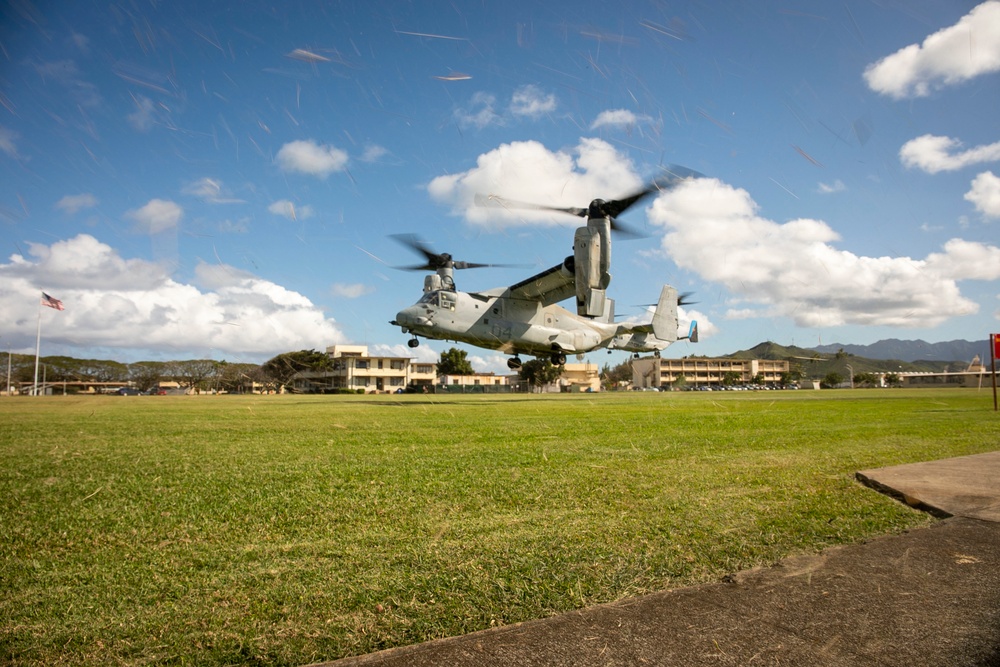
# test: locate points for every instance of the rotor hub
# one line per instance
(596, 209)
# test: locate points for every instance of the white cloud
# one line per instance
(288, 209)
(7, 145)
(210, 190)
(351, 290)
(527, 171)
(621, 118)
(966, 260)
(528, 101)
(933, 154)
(112, 302)
(144, 116)
(985, 194)
(424, 353)
(950, 56)
(827, 189)
(794, 270)
(373, 153)
(72, 204)
(531, 102)
(284, 208)
(156, 216)
(83, 263)
(480, 112)
(492, 363)
(308, 157)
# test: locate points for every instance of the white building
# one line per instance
(703, 372)
(355, 370)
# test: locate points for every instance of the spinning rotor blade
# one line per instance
(682, 299)
(600, 208)
(501, 202)
(673, 177)
(624, 230)
(437, 260)
(434, 260)
(495, 201)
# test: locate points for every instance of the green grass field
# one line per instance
(290, 529)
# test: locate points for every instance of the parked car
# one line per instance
(128, 391)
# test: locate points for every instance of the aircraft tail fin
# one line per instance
(693, 332)
(665, 315)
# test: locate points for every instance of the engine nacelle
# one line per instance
(437, 281)
(591, 257)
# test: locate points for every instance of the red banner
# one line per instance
(996, 345)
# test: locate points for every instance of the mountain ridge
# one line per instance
(914, 350)
(814, 363)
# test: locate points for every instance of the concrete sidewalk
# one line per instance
(966, 486)
(928, 597)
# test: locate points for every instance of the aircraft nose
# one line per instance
(412, 317)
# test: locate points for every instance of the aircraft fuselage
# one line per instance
(502, 323)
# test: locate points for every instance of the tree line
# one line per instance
(202, 374)
(240, 377)
(232, 377)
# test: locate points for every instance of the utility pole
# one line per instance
(994, 353)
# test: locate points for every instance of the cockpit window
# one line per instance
(442, 299)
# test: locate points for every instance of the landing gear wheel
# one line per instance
(558, 359)
(413, 342)
(514, 364)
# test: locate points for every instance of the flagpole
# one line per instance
(38, 347)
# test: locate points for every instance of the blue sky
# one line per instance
(214, 179)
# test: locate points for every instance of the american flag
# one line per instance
(52, 302)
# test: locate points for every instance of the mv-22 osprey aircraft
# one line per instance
(524, 318)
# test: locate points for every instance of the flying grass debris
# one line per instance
(307, 56)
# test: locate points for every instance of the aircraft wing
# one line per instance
(635, 328)
(548, 287)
